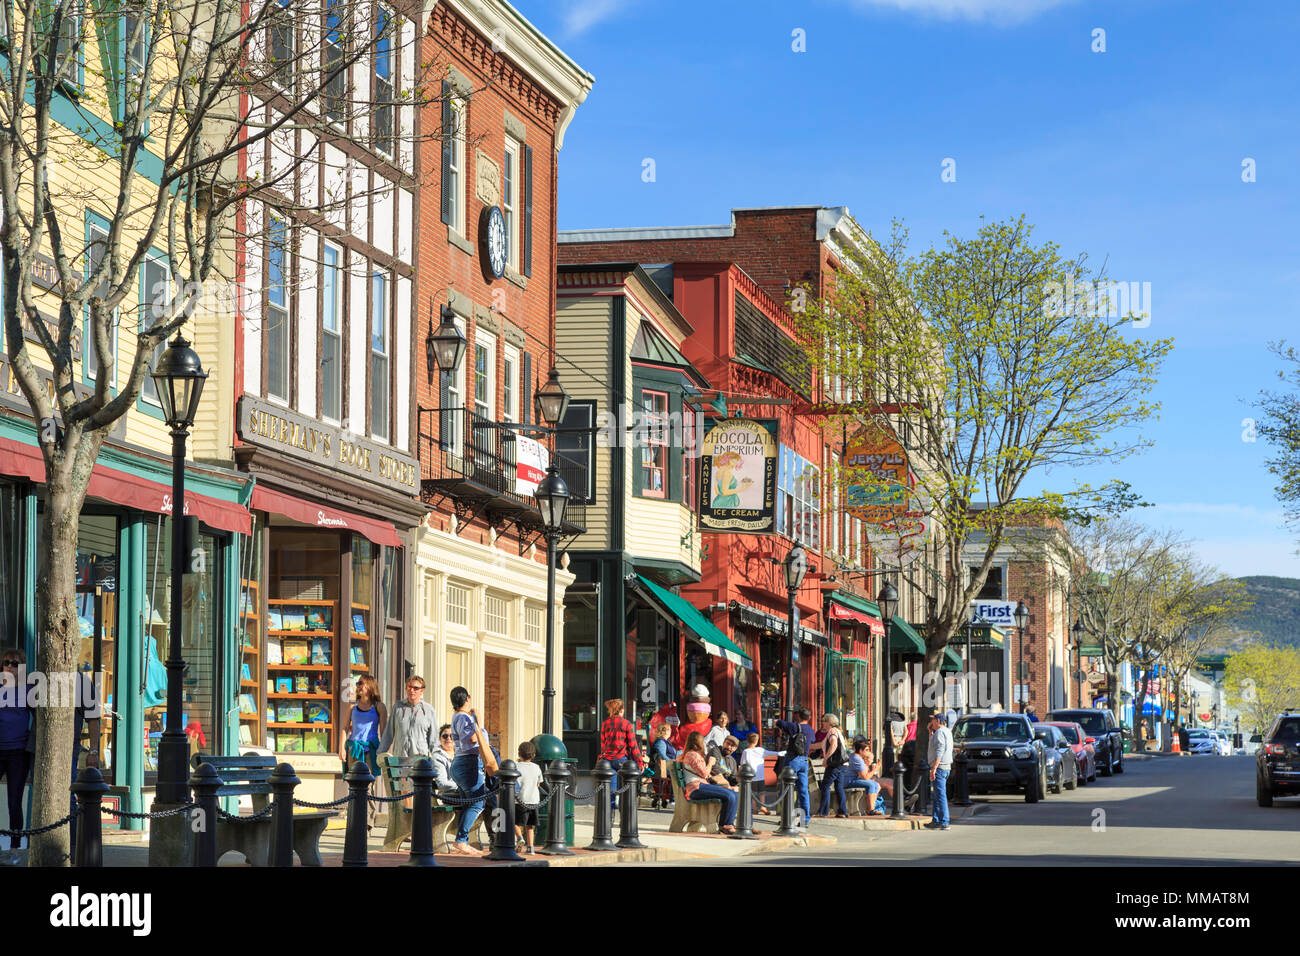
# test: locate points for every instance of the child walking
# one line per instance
(529, 796)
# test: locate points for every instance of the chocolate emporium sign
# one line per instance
(279, 429)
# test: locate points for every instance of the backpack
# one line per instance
(839, 758)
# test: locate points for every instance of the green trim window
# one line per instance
(96, 247)
(654, 446)
(71, 44)
(155, 304)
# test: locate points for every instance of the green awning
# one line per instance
(849, 599)
(1090, 650)
(715, 642)
(951, 661)
(985, 635)
(903, 638)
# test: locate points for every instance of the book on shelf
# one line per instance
(246, 735)
(288, 712)
(320, 683)
(358, 622)
(245, 673)
(274, 655)
(300, 684)
(290, 741)
(296, 650)
(317, 712)
(358, 656)
(319, 618)
(245, 602)
(270, 713)
(315, 741)
(320, 651)
(293, 620)
(270, 685)
(270, 740)
(247, 705)
(284, 685)
(274, 621)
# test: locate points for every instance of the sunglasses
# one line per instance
(447, 737)
(13, 663)
(413, 687)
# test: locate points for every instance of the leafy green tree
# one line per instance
(1261, 681)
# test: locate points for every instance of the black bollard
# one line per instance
(557, 777)
(205, 782)
(923, 786)
(962, 783)
(745, 804)
(283, 782)
(502, 822)
(900, 792)
(788, 798)
(89, 788)
(603, 837)
(629, 834)
(356, 847)
(421, 814)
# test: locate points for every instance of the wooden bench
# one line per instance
(250, 776)
(396, 774)
(691, 815)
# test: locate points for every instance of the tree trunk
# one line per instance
(1139, 704)
(58, 652)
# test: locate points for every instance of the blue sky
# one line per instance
(1133, 155)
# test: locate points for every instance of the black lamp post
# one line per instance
(552, 400)
(179, 379)
(552, 497)
(887, 599)
(1077, 631)
(1022, 619)
(444, 349)
(795, 567)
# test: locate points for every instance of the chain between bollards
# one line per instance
(788, 779)
(557, 775)
(629, 836)
(603, 837)
(900, 792)
(356, 848)
(503, 817)
(744, 804)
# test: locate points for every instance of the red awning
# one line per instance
(380, 532)
(839, 612)
(123, 488)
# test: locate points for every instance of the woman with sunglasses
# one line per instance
(366, 723)
(15, 735)
(442, 758)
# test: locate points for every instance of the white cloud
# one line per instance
(1001, 11)
(581, 15)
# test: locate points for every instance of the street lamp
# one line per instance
(795, 566)
(1077, 633)
(887, 600)
(445, 348)
(552, 400)
(1022, 619)
(552, 497)
(178, 377)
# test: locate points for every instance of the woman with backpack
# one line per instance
(834, 756)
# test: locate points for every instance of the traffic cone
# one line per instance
(1176, 748)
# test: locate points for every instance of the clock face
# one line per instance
(495, 241)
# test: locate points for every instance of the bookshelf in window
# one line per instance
(359, 644)
(301, 666)
(251, 707)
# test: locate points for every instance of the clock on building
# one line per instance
(494, 242)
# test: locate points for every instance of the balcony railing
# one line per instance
(471, 460)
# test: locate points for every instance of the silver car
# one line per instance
(1199, 741)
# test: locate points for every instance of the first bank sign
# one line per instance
(998, 613)
(279, 429)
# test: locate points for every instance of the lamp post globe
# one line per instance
(178, 376)
(552, 400)
(552, 496)
(796, 566)
(888, 600)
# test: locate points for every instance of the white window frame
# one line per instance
(510, 387)
(87, 345)
(148, 320)
(337, 333)
(468, 594)
(457, 180)
(485, 341)
(277, 312)
(383, 311)
(510, 185)
(456, 399)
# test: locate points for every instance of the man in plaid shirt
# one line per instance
(618, 742)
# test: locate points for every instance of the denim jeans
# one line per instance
(939, 796)
(831, 780)
(728, 797)
(617, 764)
(14, 764)
(467, 771)
(848, 780)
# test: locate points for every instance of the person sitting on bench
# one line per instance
(859, 773)
(701, 781)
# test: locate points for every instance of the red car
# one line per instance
(1082, 745)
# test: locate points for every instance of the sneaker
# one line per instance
(944, 827)
(932, 826)
(531, 851)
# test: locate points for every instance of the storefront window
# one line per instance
(653, 675)
(10, 565)
(581, 633)
(363, 634)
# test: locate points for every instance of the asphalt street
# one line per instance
(1167, 811)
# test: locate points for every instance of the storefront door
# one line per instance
(496, 702)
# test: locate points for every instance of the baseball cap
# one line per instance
(942, 718)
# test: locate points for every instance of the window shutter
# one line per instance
(528, 211)
(446, 151)
(526, 399)
(448, 422)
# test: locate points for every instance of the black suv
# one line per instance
(1001, 754)
(1277, 764)
(1098, 723)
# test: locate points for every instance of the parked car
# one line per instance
(1104, 731)
(1201, 741)
(1277, 764)
(1225, 743)
(1062, 768)
(1001, 754)
(1085, 751)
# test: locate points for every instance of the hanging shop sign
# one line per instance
(876, 468)
(284, 431)
(532, 458)
(900, 541)
(738, 476)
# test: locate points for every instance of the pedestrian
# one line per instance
(442, 759)
(467, 766)
(703, 783)
(789, 728)
(412, 729)
(366, 723)
(1031, 714)
(796, 757)
(940, 765)
(15, 735)
(755, 756)
(618, 742)
(662, 752)
(725, 759)
(833, 748)
(859, 773)
(529, 797)
(718, 732)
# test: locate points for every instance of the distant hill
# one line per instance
(1276, 614)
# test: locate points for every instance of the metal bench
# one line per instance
(691, 815)
(249, 776)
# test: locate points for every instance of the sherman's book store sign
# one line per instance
(738, 476)
(278, 429)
